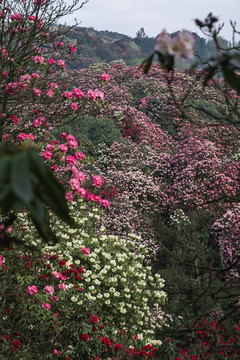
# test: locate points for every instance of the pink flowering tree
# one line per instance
(34, 100)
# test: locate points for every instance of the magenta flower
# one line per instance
(46, 305)
(32, 290)
(47, 155)
(71, 160)
(1, 260)
(79, 155)
(85, 251)
(48, 290)
(61, 287)
(97, 181)
(105, 77)
(56, 352)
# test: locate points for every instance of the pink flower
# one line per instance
(85, 251)
(91, 94)
(37, 92)
(99, 95)
(60, 44)
(74, 183)
(63, 148)
(61, 287)
(47, 155)
(73, 144)
(105, 77)
(80, 176)
(46, 305)
(1, 260)
(51, 62)
(69, 196)
(162, 42)
(32, 17)
(82, 192)
(61, 63)
(97, 181)
(22, 137)
(105, 203)
(78, 93)
(38, 59)
(71, 160)
(56, 352)
(35, 76)
(74, 106)
(41, 2)
(79, 155)
(50, 93)
(72, 49)
(67, 95)
(32, 290)
(14, 119)
(48, 290)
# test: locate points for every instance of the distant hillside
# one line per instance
(108, 47)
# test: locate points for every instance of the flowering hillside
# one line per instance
(119, 199)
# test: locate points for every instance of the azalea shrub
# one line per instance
(99, 274)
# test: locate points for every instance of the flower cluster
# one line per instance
(181, 45)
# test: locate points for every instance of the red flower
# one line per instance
(62, 263)
(83, 337)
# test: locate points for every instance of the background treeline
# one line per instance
(111, 47)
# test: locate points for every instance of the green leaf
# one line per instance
(52, 193)
(21, 178)
(210, 74)
(231, 78)
(147, 64)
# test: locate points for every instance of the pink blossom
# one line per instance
(74, 183)
(14, 119)
(70, 137)
(32, 17)
(63, 148)
(32, 290)
(35, 76)
(60, 44)
(82, 192)
(48, 289)
(70, 160)
(73, 144)
(74, 106)
(105, 203)
(79, 155)
(85, 251)
(37, 92)
(46, 305)
(69, 196)
(51, 62)
(91, 94)
(78, 93)
(80, 176)
(61, 63)
(46, 154)
(38, 59)
(67, 95)
(63, 135)
(61, 287)
(97, 181)
(105, 77)
(1, 260)
(72, 49)
(56, 352)
(50, 93)
(41, 2)
(99, 95)
(22, 137)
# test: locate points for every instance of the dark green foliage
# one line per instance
(26, 183)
